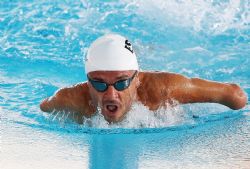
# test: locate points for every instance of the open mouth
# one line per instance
(112, 108)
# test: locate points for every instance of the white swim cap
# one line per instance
(110, 52)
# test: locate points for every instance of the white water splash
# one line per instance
(141, 117)
(205, 15)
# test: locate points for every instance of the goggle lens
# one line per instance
(99, 86)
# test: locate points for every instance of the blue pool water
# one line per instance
(42, 45)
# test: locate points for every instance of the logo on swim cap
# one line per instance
(128, 46)
(110, 52)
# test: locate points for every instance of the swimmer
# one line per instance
(115, 83)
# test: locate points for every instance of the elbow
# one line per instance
(44, 106)
(241, 102)
(239, 98)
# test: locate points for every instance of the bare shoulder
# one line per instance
(78, 91)
(157, 77)
(74, 98)
(157, 87)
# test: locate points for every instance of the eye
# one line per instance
(99, 86)
(122, 84)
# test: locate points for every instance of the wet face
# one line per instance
(114, 104)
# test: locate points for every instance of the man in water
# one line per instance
(115, 83)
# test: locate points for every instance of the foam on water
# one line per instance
(141, 117)
(210, 16)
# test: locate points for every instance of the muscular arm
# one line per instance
(163, 87)
(198, 90)
(73, 99)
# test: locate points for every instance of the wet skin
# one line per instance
(153, 89)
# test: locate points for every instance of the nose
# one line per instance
(111, 92)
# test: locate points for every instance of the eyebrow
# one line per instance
(122, 77)
(117, 78)
(98, 79)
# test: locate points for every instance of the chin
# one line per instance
(112, 118)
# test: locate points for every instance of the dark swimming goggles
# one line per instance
(119, 85)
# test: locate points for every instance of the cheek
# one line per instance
(95, 96)
(129, 97)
